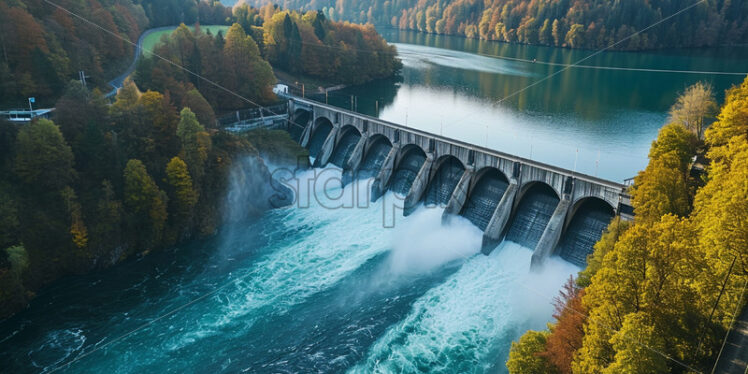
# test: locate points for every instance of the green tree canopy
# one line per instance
(44, 161)
(195, 141)
(146, 204)
(202, 109)
(183, 193)
(524, 356)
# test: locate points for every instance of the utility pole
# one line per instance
(351, 103)
(82, 77)
(326, 96)
(376, 105)
(302, 90)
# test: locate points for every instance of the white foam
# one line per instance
(347, 232)
(458, 325)
(422, 243)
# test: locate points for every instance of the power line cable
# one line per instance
(204, 296)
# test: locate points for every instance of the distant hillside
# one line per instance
(567, 23)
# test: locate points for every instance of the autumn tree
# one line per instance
(78, 229)
(638, 276)
(662, 187)
(182, 191)
(195, 143)
(575, 36)
(601, 23)
(638, 347)
(695, 108)
(525, 355)
(566, 334)
(251, 77)
(157, 131)
(202, 109)
(44, 161)
(607, 241)
(283, 41)
(661, 292)
(731, 124)
(145, 204)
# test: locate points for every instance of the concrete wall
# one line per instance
(520, 171)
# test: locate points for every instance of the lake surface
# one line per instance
(338, 284)
(598, 122)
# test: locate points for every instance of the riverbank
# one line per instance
(235, 160)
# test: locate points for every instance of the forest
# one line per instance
(659, 294)
(105, 178)
(44, 45)
(588, 24)
(102, 183)
(300, 44)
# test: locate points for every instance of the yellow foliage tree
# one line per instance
(179, 180)
(524, 356)
(732, 122)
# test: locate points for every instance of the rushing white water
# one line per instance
(449, 309)
(464, 324)
(421, 243)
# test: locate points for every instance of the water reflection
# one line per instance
(598, 122)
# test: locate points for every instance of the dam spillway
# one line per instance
(584, 230)
(484, 198)
(375, 157)
(443, 182)
(532, 215)
(533, 204)
(407, 170)
(344, 148)
(318, 139)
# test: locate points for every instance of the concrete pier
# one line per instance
(327, 148)
(459, 195)
(499, 219)
(305, 136)
(419, 186)
(551, 235)
(383, 177)
(351, 165)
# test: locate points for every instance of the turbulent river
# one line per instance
(337, 284)
(327, 285)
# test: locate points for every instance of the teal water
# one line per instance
(598, 122)
(325, 286)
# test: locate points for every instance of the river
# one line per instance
(315, 287)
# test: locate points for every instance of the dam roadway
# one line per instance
(553, 210)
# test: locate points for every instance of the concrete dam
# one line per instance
(551, 209)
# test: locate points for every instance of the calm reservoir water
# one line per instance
(329, 285)
(602, 121)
